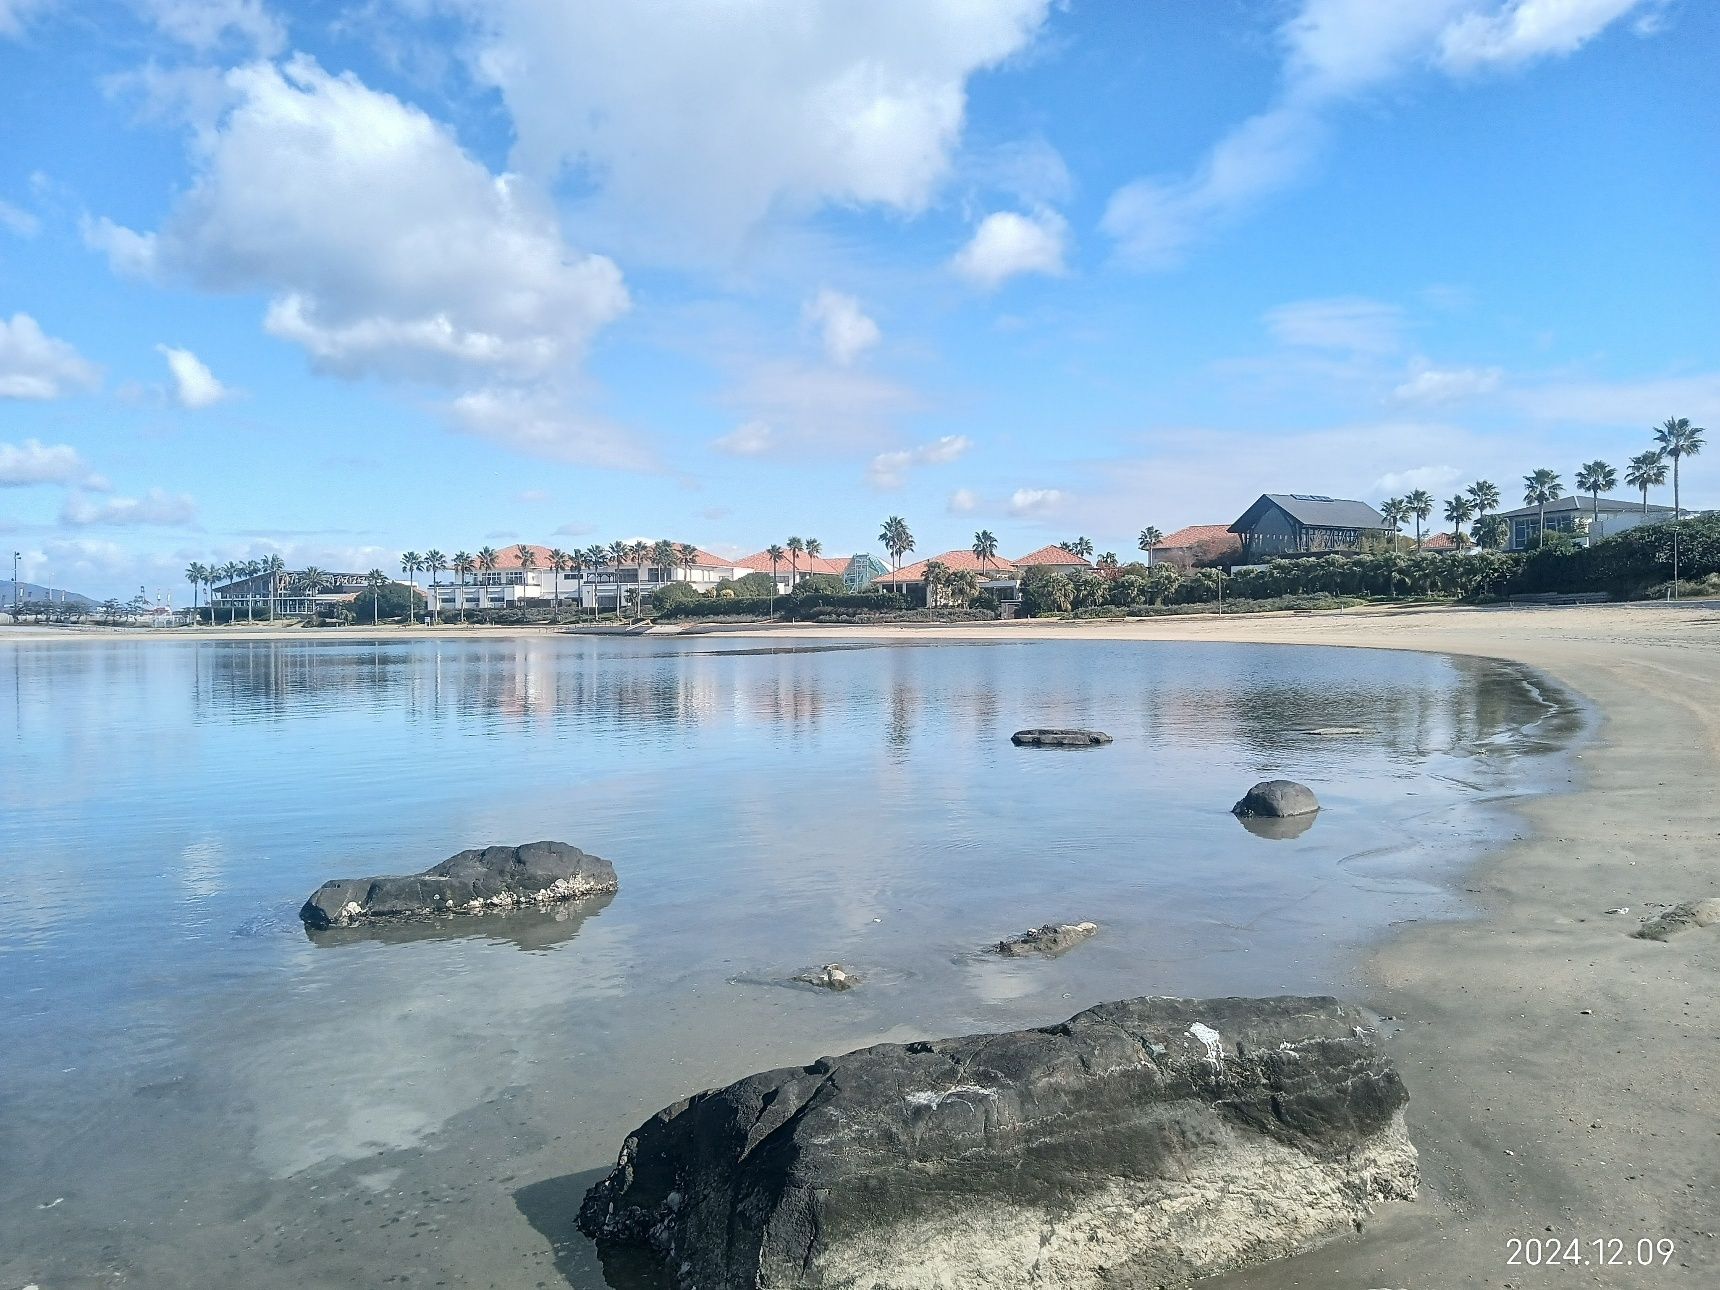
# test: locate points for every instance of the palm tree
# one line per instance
(663, 557)
(1594, 478)
(1678, 439)
(1485, 494)
(1150, 538)
(558, 560)
(1646, 470)
(898, 541)
(1538, 489)
(597, 556)
(463, 566)
(1080, 546)
(985, 547)
(273, 567)
(488, 558)
(410, 563)
(1109, 564)
(1420, 505)
(376, 580)
(796, 548)
(311, 581)
(194, 574)
(814, 549)
(1395, 512)
(1458, 512)
(435, 562)
(253, 569)
(775, 553)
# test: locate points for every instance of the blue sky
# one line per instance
(340, 279)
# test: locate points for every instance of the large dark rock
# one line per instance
(1139, 1144)
(1051, 939)
(1277, 799)
(1059, 738)
(1680, 918)
(473, 882)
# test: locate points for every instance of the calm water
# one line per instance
(195, 1093)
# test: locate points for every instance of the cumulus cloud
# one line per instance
(539, 423)
(1007, 244)
(207, 25)
(846, 332)
(1432, 478)
(749, 439)
(34, 365)
(194, 385)
(1334, 51)
(962, 502)
(35, 462)
(702, 126)
(1037, 503)
(18, 221)
(890, 469)
(154, 508)
(1430, 385)
(1351, 324)
(387, 249)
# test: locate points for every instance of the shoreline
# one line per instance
(1559, 1070)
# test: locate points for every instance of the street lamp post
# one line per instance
(17, 591)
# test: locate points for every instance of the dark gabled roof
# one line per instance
(1584, 504)
(1311, 510)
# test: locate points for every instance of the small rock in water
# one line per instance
(1059, 738)
(1680, 918)
(1050, 940)
(832, 976)
(1334, 731)
(1277, 799)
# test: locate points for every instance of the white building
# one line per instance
(523, 576)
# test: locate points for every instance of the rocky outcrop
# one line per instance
(1680, 918)
(1277, 799)
(1059, 738)
(832, 976)
(1050, 940)
(472, 882)
(1139, 1144)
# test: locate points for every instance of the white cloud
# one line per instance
(1006, 244)
(1432, 478)
(750, 439)
(1641, 403)
(538, 423)
(387, 248)
(154, 508)
(34, 365)
(962, 502)
(845, 330)
(1351, 324)
(890, 469)
(701, 125)
(206, 25)
(34, 462)
(1335, 50)
(1427, 384)
(1037, 503)
(194, 385)
(15, 13)
(18, 221)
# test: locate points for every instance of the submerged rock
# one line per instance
(832, 976)
(1277, 799)
(1139, 1144)
(472, 882)
(1680, 918)
(1059, 738)
(1050, 940)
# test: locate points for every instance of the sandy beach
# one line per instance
(1561, 1071)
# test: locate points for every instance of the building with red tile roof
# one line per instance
(1055, 558)
(957, 561)
(1194, 544)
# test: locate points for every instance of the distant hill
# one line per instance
(34, 591)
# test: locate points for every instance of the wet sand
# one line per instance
(1562, 1073)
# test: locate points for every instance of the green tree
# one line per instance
(1108, 565)
(985, 547)
(410, 563)
(376, 580)
(1419, 504)
(1458, 512)
(1539, 489)
(898, 541)
(814, 548)
(1485, 494)
(796, 549)
(1678, 439)
(313, 580)
(558, 561)
(274, 567)
(1595, 478)
(195, 574)
(1080, 546)
(464, 564)
(1646, 470)
(1150, 538)
(1044, 592)
(1395, 511)
(775, 552)
(435, 563)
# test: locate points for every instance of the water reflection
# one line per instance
(1278, 830)
(532, 930)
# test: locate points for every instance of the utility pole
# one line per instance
(17, 591)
